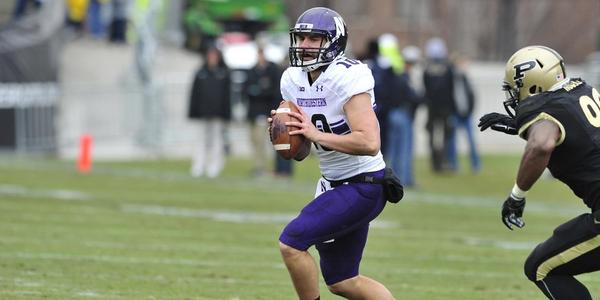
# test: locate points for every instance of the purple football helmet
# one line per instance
(322, 21)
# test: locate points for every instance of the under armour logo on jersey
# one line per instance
(319, 88)
(301, 88)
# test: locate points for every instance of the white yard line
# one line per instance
(58, 194)
(20, 293)
(230, 249)
(20, 283)
(441, 272)
(136, 260)
(159, 278)
(26, 283)
(411, 197)
(267, 184)
(508, 245)
(145, 247)
(493, 203)
(224, 215)
(50, 293)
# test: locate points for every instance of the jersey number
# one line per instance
(348, 62)
(320, 122)
(591, 107)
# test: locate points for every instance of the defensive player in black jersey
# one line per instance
(560, 119)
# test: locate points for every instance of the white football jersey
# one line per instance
(324, 101)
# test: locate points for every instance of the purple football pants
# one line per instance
(337, 223)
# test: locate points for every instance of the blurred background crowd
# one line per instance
(196, 78)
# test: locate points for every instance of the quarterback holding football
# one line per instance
(336, 101)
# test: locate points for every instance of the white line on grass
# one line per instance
(224, 215)
(160, 278)
(47, 287)
(26, 283)
(137, 260)
(492, 202)
(90, 294)
(58, 194)
(273, 251)
(85, 294)
(448, 258)
(20, 293)
(453, 273)
(149, 247)
(49, 293)
(411, 197)
(508, 245)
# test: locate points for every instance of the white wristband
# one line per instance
(518, 193)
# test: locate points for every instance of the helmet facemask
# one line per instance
(322, 55)
(512, 98)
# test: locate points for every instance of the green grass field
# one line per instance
(146, 230)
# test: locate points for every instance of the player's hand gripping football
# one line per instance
(498, 122)
(512, 212)
(305, 126)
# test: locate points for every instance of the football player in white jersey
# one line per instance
(335, 95)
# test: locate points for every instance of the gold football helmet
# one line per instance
(531, 70)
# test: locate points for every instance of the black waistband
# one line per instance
(370, 177)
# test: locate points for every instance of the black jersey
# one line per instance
(575, 108)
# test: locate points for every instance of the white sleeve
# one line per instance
(284, 86)
(353, 81)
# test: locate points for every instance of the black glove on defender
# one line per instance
(498, 122)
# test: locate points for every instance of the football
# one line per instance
(288, 146)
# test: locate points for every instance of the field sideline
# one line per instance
(147, 230)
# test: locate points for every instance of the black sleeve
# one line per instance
(536, 105)
(194, 96)
(226, 102)
(409, 94)
(470, 94)
(277, 97)
(247, 88)
(276, 79)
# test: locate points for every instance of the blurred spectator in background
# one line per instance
(262, 89)
(210, 108)
(396, 104)
(391, 60)
(414, 67)
(95, 21)
(381, 68)
(76, 13)
(400, 123)
(400, 130)
(438, 81)
(464, 102)
(283, 167)
(118, 23)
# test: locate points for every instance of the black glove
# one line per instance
(512, 212)
(498, 122)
